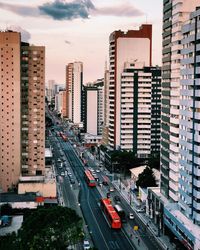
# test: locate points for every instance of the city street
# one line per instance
(103, 236)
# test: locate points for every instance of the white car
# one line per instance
(131, 216)
(141, 210)
(98, 170)
(86, 244)
(62, 174)
(111, 189)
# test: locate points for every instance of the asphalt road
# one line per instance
(103, 236)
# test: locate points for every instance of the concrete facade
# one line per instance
(10, 112)
(74, 82)
(123, 48)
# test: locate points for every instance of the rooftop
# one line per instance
(185, 221)
(13, 197)
(14, 227)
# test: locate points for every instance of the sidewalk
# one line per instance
(162, 240)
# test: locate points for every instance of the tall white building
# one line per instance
(189, 172)
(176, 206)
(175, 13)
(124, 47)
(140, 109)
(74, 82)
(94, 107)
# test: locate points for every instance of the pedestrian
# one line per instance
(138, 241)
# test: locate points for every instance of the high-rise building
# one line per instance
(175, 13)
(178, 197)
(189, 169)
(32, 109)
(22, 128)
(10, 112)
(106, 108)
(124, 47)
(50, 90)
(140, 109)
(93, 110)
(74, 82)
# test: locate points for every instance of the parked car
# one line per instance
(131, 216)
(98, 170)
(117, 198)
(111, 189)
(86, 244)
(140, 210)
(62, 174)
(72, 181)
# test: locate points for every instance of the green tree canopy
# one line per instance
(146, 179)
(154, 161)
(48, 229)
(125, 160)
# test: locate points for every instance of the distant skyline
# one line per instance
(78, 30)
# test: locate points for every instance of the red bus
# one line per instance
(90, 179)
(110, 213)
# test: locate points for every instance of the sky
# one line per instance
(78, 30)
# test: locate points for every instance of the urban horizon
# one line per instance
(79, 35)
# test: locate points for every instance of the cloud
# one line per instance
(126, 10)
(21, 10)
(25, 35)
(61, 10)
(67, 42)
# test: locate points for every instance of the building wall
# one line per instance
(74, 81)
(45, 189)
(36, 115)
(137, 114)
(10, 112)
(175, 14)
(64, 104)
(189, 173)
(69, 78)
(124, 47)
(77, 88)
(106, 108)
(92, 111)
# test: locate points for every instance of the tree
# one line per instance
(52, 228)
(154, 161)
(125, 160)
(146, 179)
(6, 209)
(47, 229)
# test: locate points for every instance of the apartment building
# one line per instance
(175, 13)
(93, 110)
(32, 109)
(178, 197)
(106, 107)
(124, 47)
(74, 82)
(140, 109)
(10, 112)
(22, 127)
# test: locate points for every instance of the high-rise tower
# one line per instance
(134, 46)
(22, 97)
(74, 82)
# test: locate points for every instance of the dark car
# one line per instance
(72, 181)
(117, 198)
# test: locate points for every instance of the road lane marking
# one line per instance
(95, 219)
